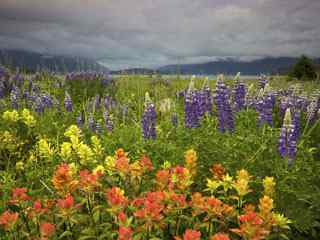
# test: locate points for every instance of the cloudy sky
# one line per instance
(147, 33)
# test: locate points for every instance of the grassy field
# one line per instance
(113, 115)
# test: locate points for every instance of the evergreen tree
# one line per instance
(304, 69)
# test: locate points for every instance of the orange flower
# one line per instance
(151, 208)
(220, 236)
(88, 181)
(163, 178)
(8, 220)
(191, 235)
(62, 179)
(116, 199)
(120, 153)
(125, 233)
(122, 218)
(146, 163)
(47, 230)
(19, 195)
(218, 171)
(122, 165)
(66, 203)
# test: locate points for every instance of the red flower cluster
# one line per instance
(8, 220)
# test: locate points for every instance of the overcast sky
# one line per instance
(147, 33)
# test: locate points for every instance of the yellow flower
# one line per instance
(212, 184)
(265, 206)
(27, 118)
(110, 164)
(73, 130)
(45, 150)
(243, 174)
(281, 221)
(242, 187)
(74, 133)
(99, 170)
(11, 116)
(66, 150)
(166, 165)
(19, 166)
(268, 185)
(191, 161)
(85, 154)
(97, 147)
(73, 169)
(136, 169)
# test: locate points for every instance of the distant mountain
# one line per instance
(31, 61)
(134, 71)
(231, 67)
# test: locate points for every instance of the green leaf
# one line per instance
(65, 234)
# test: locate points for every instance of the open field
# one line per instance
(91, 156)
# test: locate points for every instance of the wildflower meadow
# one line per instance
(89, 155)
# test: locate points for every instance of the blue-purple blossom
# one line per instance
(263, 81)
(108, 121)
(239, 93)
(148, 121)
(80, 119)
(287, 146)
(222, 101)
(92, 124)
(14, 97)
(39, 106)
(68, 102)
(264, 106)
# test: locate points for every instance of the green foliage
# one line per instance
(304, 69)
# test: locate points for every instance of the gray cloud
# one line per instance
(146, 33)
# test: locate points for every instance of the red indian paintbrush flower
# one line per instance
(63, 180)
(125, 233)
(19, 195)
(220, 236)
(66, 203)
(47, 230)
(191, 235)
(116, 199)
(8, 220)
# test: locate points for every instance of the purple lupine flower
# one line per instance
(39, 106)
(174, 119)
(313, 109)
(193, 107)
(108, 121)
(287, 146)
(239, 93)
(208, 98)
(17, 79)
(265, 106)
(46, 100)
(2, 90)
(14, 97)
(148, 121)
(68, 102)
(106, 80)
(225, 115)
(262, 81)
(80, 119)
(92, 124)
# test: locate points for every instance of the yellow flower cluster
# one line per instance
(11, 116)
(76, 147)
(191, 161)
(45, 149)
(26, 117)
(242, 183)
(268, 185)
